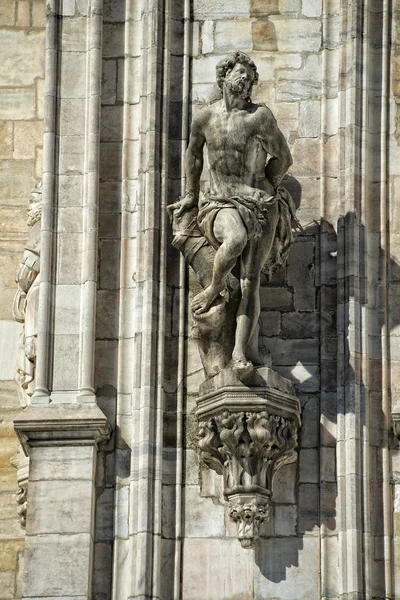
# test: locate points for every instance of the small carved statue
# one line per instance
(241, 225)
(25, 307)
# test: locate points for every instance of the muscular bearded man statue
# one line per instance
(246, 215)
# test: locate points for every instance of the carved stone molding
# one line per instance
(54, 424)
(21, 463)
(396, 421)
(246, 433)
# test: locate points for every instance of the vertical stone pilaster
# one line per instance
(67, 304)
(140, 406)
(61, 429)
(62, 445)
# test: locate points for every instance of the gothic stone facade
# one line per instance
(96, 101)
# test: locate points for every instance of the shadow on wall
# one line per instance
(351, 384)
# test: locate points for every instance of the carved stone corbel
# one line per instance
(21, 463)
(246, 433)
(396, 421)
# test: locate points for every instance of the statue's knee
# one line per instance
(249, 286)
(238, 244)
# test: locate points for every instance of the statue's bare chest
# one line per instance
(230, 132)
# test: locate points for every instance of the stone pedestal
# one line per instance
(247, 432)
(61, 441)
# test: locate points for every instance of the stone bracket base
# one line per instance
(247, 431)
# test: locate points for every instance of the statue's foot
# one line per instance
(202, 302)
(242, 368)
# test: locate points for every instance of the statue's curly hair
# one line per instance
(228, 63)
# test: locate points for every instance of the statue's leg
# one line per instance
(253, 259)
(231, 233)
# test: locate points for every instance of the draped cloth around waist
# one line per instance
(254, 211)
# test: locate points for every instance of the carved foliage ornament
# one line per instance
(247, 448)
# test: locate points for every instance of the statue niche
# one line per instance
(229, 233)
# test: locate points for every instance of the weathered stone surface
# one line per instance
(291, 37)
(207, 37)
(291, 352)
(9, 334)
(204, 518)
(7, 13)
(285, 520)
(308, 507)
(287, 568)
(225, 31)
(64, 558)
(38, 13)
(9, 553)
(73, 75)
(6, 139)
(203, 576)
(18, 103)
(276, 298)
(24, 59)
(300, 325)
(7, 583)
(74, 35)
(220, 9)
(270, 323)
(310, 119)
(27, 136)
(16, 180)
(309, 466)
(301, 275)
(109, 82)
(302, 84)
(289, 6)
(59, 506)
(311, 8)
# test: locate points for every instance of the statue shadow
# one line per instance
(334, 385)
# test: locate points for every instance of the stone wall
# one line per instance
(394, 273)
(161, 529)
(289, 44)
(22, 36)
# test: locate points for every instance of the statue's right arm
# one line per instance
(193, 167)
(194, 157)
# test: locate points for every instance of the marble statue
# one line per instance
(240, 225)
(25, 307)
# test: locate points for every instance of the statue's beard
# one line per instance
(237, 88)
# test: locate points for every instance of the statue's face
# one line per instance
(35, 208)
(239, 80)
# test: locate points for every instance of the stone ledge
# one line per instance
(264, 390)
(72, 424)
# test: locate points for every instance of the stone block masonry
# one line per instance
(157, 529)
(22, 35)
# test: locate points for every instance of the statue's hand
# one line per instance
(182, 205)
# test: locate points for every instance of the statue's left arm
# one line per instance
(276, 145)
